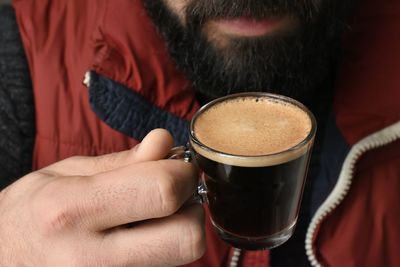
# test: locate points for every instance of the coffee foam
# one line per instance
(252, 131)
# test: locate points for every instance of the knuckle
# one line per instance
(168, 190)
(59, 219)
(198, 247)
(193, 245)
(53, 212)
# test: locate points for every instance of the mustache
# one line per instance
(203, 10)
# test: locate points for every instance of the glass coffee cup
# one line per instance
(253, 150)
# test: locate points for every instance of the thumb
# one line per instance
(156, 145)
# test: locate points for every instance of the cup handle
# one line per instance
(184, 153)
(180, 152)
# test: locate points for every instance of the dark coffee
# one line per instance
(253, 202)
(254, 152)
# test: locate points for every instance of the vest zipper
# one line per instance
(383, 137)
(234, 262)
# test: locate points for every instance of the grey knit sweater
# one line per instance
(17, 119)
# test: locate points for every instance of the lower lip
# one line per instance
(248, 27)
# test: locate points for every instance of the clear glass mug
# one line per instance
(254, 201)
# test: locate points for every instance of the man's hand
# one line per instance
(122, 209)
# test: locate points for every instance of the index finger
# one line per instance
(132, 193)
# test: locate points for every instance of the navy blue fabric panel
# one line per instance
(334, 151)
(128, 112)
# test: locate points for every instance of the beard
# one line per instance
(293, 63)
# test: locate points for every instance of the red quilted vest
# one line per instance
(63, 40)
